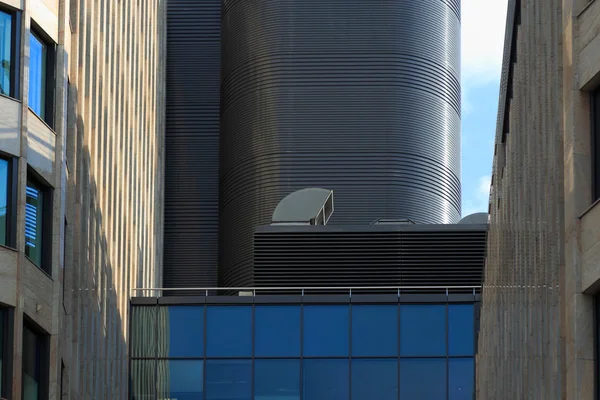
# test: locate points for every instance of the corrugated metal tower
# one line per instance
(362, 97)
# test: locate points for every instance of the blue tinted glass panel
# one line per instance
(181, 332)
(277, 331)
(6, 60)
(37, 75)
(277, 380)
(461, 335)
(461, 378)
(375, 330)
(423, 379)
(375, 379)
(326, 330)
(143, 379)
(228, 379)
(34, 210)
(143, 331)
(181, 379)
(3, 194)
(229, 331)
(326, 379)
(423, 330)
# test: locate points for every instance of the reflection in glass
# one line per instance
(423, 379)
(374, 379)
(181, 331)
(143, 331)
(461, 335)
(32, 355)
(277, 331)
(181, 379)
(423, 330)
(277, 379)
(229, 331)
(375, 330)
(326, 330)
(143, 379)
(228, 379)
(461, 378)
(3, 198)
(325, 379)
(33, 222)
(5, 52)
(37, 75)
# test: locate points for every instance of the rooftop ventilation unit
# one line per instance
(393, 221)
(312, 206)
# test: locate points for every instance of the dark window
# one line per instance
(228, 379)
(35, 365)
(423, 379)
(143, 331)
(374, 379)
(423, 329)
(461, 335)
(596, 145)
(461, 382)
(277, 379)
(326, 330)
(277, 331)
(183, 332)
(228, 331)
(9, 45)
(4, 201)
(37, 224)
(41, 76)
(3, 351)
(143, 379)
(181, 379)
(326, 379)
(375, 330)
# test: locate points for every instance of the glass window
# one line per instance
(461, 335)
(326, 330)
(326, 379)
(461, 378)
(38, 58)
(34, 218)
(277, 331)
(228, 379)
(2, 345)
(277, 380)
(5, 53)
(375, 330)
(33, 358)
(181, 331)
(423, 379)
(228, 331)
(374, 379)
(181, 379)
(3, 198)
(595, 105)
(143, 379)
(422, 330)
(143, 331)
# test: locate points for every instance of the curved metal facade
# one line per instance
(362, 97)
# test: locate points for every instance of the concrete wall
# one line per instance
(543, 265)
(104, 159)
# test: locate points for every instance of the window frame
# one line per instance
(50, 75)
(44, 358)
(7, 316)
(15, 33)
(595, 142)
(11, 201)
(47, 192)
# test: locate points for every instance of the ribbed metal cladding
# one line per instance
(362, 97)
(351, 256)
(192, 143)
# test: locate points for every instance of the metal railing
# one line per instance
(303, 290)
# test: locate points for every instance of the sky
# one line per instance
(483, 24)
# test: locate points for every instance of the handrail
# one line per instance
(302, 289)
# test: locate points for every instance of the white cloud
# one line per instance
(479, 200)
(483, 25)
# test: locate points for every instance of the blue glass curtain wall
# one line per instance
(303, 351)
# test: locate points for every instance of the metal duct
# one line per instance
(361, 97)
